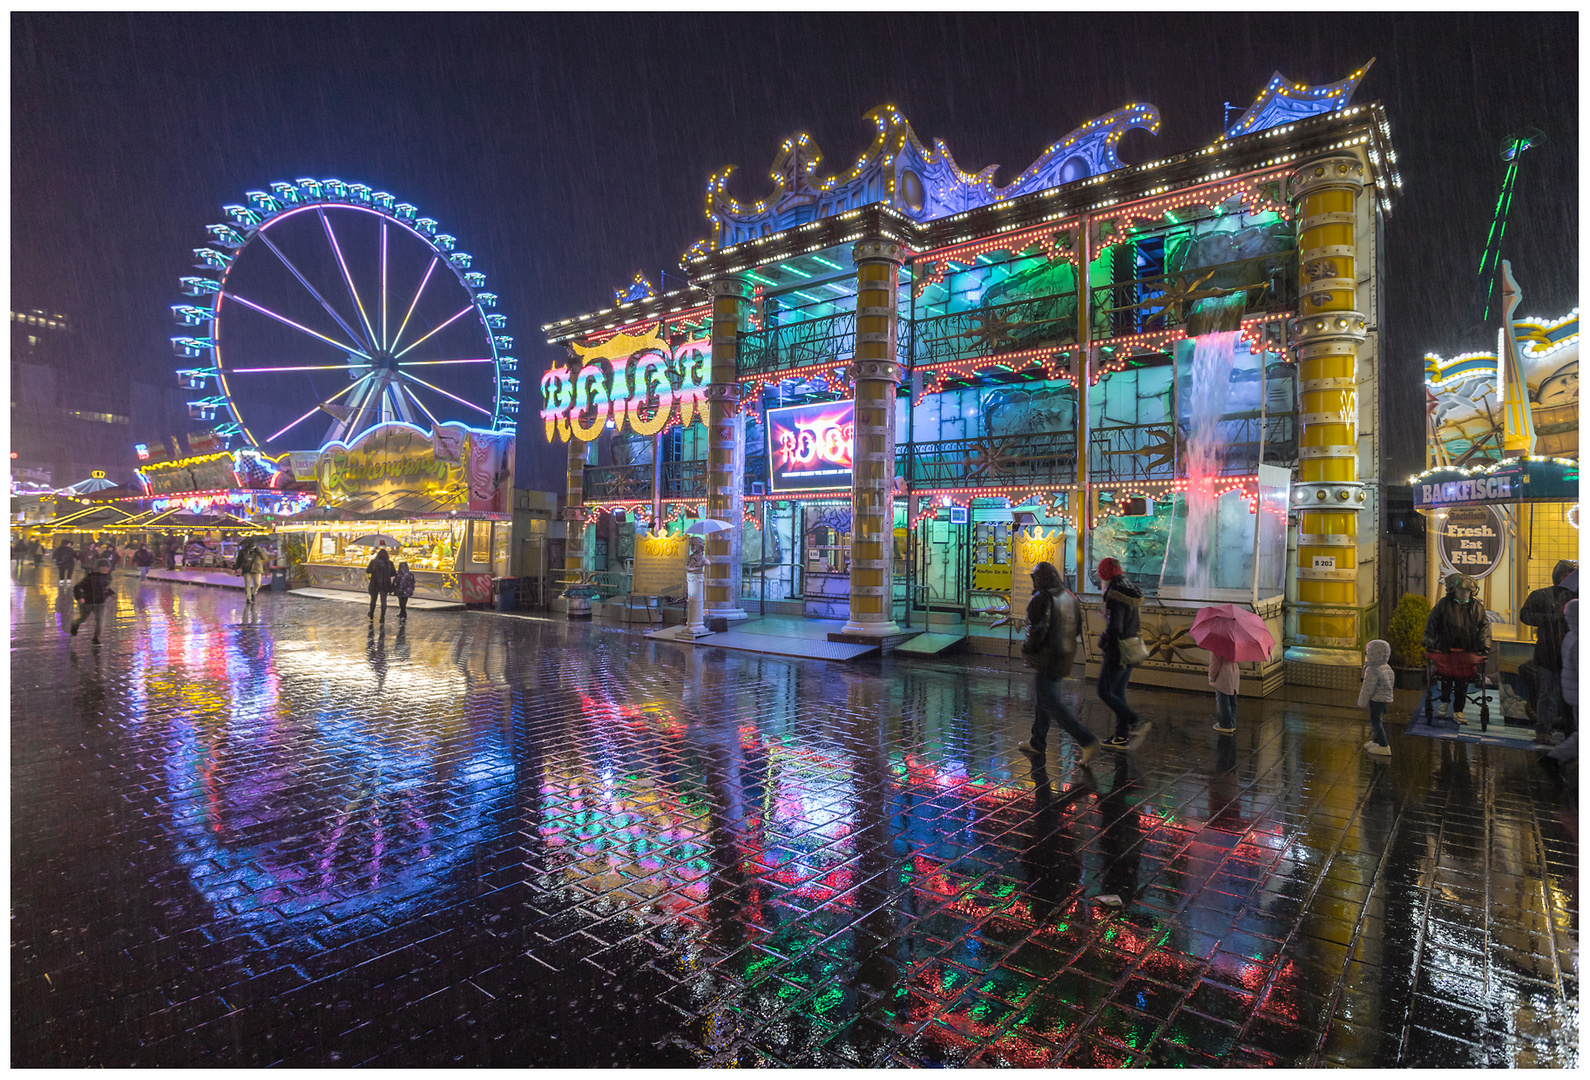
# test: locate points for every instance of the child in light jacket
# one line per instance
(1376, 693)
(1226, 678)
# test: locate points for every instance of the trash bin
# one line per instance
(507, 593)
(279, 579)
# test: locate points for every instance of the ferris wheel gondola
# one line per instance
(332, 301)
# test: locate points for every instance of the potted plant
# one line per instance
(1406, 635)
(294, 554)
(579, 595)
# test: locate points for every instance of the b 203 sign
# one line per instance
(809, 447)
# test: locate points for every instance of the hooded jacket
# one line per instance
(94, 588)
(1379, 681)
(65, 557)
(1543, 610)
(1452, 625)
(404, 582)
(1570, 655)
(1053, 619)
(1121, 602)
(251, 560)
(142, 557)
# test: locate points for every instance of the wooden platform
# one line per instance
(929, 645)
(886, 644)
(778, 636)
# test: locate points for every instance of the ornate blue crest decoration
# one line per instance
(899, 170)
(639, 289)
(1283, 101)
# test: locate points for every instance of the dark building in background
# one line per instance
(73, 415)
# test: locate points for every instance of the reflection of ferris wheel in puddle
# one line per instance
(319, 268)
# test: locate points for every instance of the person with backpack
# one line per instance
(1054, 619)
(404, 583)
(380, 572)
(1118, 644)
(91, 594)
(252, 563)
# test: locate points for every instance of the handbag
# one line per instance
(1133, 651)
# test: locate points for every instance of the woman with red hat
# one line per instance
(1121, 600)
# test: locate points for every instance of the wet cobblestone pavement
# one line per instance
(492, 841)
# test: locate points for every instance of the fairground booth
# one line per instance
(1500, 493)
(440, 500)
(901, 386)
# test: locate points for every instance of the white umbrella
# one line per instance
(376, 540)
(708, 526)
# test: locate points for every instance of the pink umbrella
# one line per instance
(1232, 633)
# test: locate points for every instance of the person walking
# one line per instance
(1376, 693)
(91, 594)
(1543, 609)
(38, 553)
(65, 563)
(19, 555)
(143, 560)
(404, 583)
(113, 555)
(251, 562)
(1567, 750)
(1054, 619)
(1121, 623)
(1457, 623)
(1226, 678)
(380, 572)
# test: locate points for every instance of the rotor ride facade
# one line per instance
(909, 384)
(343, 336)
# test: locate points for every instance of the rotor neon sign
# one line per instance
(810, 446)
(629, 379)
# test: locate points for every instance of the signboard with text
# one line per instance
(1471, 540)
(1033, 546)
(660, 565)
(403, 468)
(809, 446)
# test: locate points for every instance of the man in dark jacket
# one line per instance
(1053, 619)
(1121, 600)
(143, 560)
(380, 572)
(65, 562)
(1457, 623)
(1544, 611)
(91, 594)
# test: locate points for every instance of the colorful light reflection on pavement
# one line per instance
(488, 841)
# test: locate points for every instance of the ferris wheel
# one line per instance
(324, 309)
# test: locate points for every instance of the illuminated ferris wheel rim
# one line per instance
(250, 223)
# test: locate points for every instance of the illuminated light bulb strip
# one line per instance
(1156, 341)
(1488, 467)
(1047, 238)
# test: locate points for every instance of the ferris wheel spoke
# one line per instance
(383, 282)
(350, 331)
(444, 393)
(416, 399)
(438, 329)
(297, 326)
(273, 370)
(433, 363)
(317, 408)
(346, 277)
(415, 302)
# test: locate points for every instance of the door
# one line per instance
(941, 572)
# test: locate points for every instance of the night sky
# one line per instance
(568, 152)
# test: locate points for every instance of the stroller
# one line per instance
(1465, 666)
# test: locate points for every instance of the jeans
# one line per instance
(1377, 730)
(143, 574)
(1549, 707)
(96, 610)
(1112, 691)
(1226, 709)
(251, 585)
(382, 595)
(1048, 703)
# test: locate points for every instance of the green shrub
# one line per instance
(1406, 633)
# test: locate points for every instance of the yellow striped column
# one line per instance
(876, 375)
(726, 450)
(1328, 493)
(574, 514)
